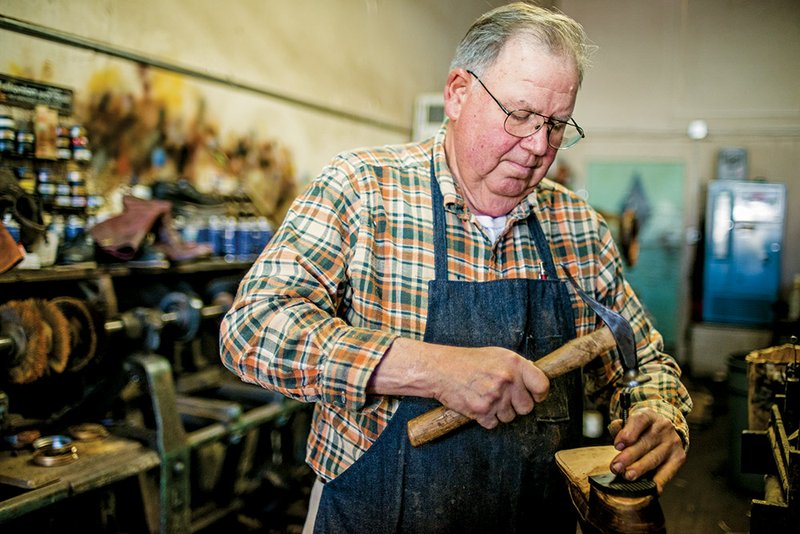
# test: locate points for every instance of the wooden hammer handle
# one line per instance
(572, 355)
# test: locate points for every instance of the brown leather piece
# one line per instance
(26, 209)
(10, 254)
(122, 236)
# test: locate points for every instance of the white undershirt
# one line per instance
(492, 225)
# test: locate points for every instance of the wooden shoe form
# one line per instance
(599, 512)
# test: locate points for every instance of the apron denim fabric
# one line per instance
(473, 479)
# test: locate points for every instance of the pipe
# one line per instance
(7, 345)
(70, 39)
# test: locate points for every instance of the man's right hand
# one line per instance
(488, 384)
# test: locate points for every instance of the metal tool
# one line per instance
(775, 452)
(631, 378)
(626, 344)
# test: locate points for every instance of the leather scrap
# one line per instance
(10, 254)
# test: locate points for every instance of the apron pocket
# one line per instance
(555, 408)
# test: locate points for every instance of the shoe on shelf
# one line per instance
(121, 236)
(181, 191)
(24, 208)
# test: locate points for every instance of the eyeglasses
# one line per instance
(523, 123)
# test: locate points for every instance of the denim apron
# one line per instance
(473, 479)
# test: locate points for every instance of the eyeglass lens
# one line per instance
(522, 123)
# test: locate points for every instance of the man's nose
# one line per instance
(536, 143)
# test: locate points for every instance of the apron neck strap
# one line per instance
(440, 234)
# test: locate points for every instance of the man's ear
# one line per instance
(455, 92)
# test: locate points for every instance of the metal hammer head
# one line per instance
(622, 331)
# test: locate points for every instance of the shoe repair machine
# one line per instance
(606, 503)
(775, 452)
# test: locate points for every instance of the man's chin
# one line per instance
(497, 205)
(515, 188)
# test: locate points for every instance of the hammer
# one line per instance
(572, 355)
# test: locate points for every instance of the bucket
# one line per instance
(737, 402)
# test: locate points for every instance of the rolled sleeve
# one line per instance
(350, 362)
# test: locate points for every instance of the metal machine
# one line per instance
(744, 234)
(775, 452)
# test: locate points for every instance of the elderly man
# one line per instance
(408, 276)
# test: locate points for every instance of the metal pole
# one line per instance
(69, 39)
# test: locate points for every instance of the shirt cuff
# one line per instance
(351, 360)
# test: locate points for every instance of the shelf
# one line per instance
(99, 464)
(93, 270)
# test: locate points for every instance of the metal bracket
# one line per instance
(170, 442)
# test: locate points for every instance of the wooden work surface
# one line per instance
(99, 462)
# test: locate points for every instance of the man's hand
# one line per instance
(488, 384)
(648, 443)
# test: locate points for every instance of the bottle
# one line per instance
(74, 228)
(8, 135)
(215, 234)
(79, 142)
(794, 299)
(243, 239)
(58, 227)
(63, 144)
(44, 185)
(27, 179)
(191, 230)
(25, 141)
(229, 239)
(202, 232)
(12, 226)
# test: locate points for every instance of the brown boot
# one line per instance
(26, 209)
(121, 236)
(602, 512)
(176, 249)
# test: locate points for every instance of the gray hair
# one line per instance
(483, 42)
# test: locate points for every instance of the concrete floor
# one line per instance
(708, 496)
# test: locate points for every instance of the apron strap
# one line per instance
(439, 228)
(542, 246)
(440, 235)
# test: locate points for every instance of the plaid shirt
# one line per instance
(347, 273)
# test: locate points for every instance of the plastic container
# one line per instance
(794, 299)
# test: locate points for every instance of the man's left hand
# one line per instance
(648, 443)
